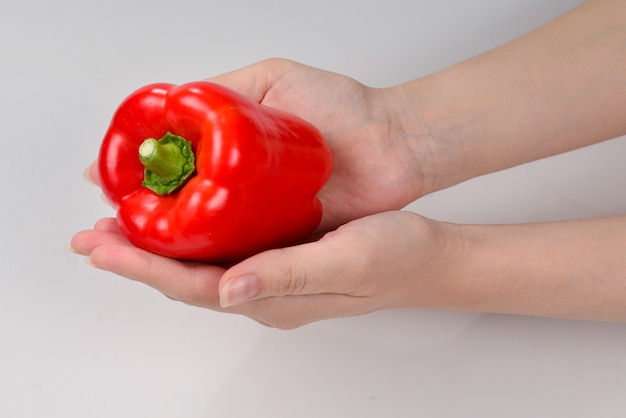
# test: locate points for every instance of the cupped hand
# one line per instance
(376, 167)
(370, 262)
(383, 261)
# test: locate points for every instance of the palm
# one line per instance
(370, 167)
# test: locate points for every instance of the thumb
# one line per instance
(300, 270)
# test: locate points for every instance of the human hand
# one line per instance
(388, 260)
(376, 167)
(375, 170)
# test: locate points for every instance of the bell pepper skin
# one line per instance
(254, 187)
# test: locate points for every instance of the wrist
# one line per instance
(426, 128)
(439, 266)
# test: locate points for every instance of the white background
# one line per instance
(78, 342)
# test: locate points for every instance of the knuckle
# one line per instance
(290, 281)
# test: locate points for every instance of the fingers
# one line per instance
(105, 232)
(91, 174)
(107, 225)
(108, 249)
(190, 283)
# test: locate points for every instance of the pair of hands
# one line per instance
(375, 257)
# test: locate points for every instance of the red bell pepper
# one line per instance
(199, 172)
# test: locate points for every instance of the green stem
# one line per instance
(168, 163)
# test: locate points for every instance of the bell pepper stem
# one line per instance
(168, 162)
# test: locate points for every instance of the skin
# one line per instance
(555, 89)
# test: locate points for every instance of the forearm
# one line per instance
(570, 269)
(557, 88)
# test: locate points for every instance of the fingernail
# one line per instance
(71, 249)
(239, 290)
(92, 264)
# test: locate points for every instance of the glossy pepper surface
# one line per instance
(199, 172)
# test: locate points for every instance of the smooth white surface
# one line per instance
(77, 342)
